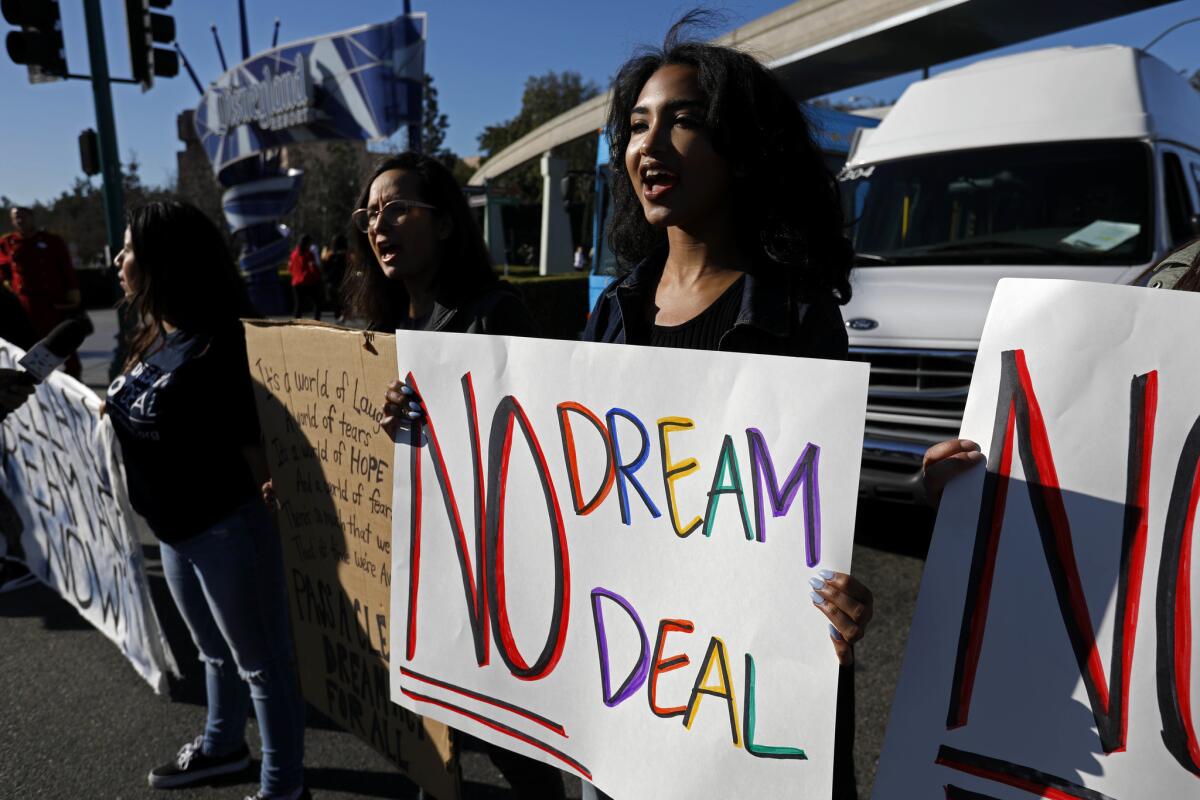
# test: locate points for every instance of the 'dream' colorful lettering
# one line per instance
(673, 472)
(570, 455)
(625, 471)
(804, 472)
(727, 462)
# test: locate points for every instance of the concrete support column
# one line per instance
(493, 230)
(555, 250)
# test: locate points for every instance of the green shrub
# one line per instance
(558, 302)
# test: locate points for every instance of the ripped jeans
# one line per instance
(228, 584)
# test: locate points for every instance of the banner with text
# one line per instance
(1052, 649)
(68, 518)
(319, 391)
(602, 558)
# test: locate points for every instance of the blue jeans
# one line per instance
(228, 583)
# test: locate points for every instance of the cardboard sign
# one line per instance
(602, 558)
(67, 516)
(319, 390)
(1052, 651)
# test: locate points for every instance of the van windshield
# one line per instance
(1056, 203)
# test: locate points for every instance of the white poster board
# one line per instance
(612, 575)
(1051, 650)
(61, 472)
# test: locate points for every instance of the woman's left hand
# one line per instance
(848, 604)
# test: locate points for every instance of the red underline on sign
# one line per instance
(548, 724)
(500, 727)
(1027, 779)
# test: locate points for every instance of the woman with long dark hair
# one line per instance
(420, 263)
(184, 413)
(418, 259)
(730, 230)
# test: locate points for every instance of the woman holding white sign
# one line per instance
(724, 207)
(724, 204)
(420, 263)
(190, 475)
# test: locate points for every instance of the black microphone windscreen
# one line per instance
(68, 336)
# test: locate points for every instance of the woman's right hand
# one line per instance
(401, 408)
(944, 461)
(268, 494)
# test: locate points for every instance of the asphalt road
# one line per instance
(76, 722)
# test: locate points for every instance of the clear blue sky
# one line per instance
(479, 53)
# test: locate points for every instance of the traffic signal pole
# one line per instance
(106, 129)
(112, 184)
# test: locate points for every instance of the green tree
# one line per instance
(333, 175)
(434, 124)
(545, 97)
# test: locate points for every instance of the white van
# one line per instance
(1080, 163)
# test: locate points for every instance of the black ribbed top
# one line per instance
(703, 331)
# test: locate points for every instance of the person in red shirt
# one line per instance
(306, 278)
(36, 266)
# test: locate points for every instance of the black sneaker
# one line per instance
(192, 766)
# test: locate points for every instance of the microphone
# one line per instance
(48, 354)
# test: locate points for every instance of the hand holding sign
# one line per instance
(401, 408)
(849, 605)
(944, 461)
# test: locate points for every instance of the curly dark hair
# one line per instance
(465, 271)
(786, 206)
(185, 276)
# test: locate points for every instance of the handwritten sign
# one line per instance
(602, 558)
(67, 516)
(1052, 648)
(319, 390)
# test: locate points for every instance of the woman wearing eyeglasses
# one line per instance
(420, 263)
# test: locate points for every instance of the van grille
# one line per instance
(915, 396)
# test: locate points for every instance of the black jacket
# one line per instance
(774, 319)
(498, 310)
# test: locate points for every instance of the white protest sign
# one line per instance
(602, 558)
(1052, 646)
(61, 472)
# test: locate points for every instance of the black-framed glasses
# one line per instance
(392, 212)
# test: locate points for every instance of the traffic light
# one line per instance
(89, 152)
(146, 29)
(39, 43)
